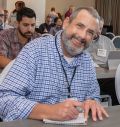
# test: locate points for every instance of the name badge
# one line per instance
(102, 52)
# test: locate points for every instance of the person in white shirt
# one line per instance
(53, 14)
(12, 18)
(100, 47)
(3, 25)
(99, 50)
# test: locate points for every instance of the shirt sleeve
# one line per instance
(15, 89)
(3, 45)
(94, 89)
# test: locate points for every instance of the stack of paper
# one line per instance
(79, 121)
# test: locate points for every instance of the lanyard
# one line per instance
(68, 84)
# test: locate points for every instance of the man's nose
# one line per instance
(30, 28)
(83, 34)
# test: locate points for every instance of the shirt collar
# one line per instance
(58, 42)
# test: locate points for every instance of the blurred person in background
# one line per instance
(6, 15)
(69, 11)
(100, 47)
(53, 14)
(12, 18)
(3, 24)
(45, 27)
(13, 39)
(57, 27)
(99, 50)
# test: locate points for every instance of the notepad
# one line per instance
(79, 121)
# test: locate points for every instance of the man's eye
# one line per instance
(91, 33)
(80, 26)
(33, 25)
(25, 24)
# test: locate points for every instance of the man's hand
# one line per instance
(65, 110)
(96, 108)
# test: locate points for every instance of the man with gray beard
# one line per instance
(52, 76)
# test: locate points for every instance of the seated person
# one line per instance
(57, 27)
(3, 24)
(6, 14)
(12, 18)
(12, 40)
(99, 50)
(69, 11)
(100, 47)
(53, 14)
(48, 72)
(45, 27)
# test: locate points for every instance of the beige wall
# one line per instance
(3, 4)
(62, 5)
(37, 5)
(42, 7)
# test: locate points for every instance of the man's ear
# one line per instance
(66, 22)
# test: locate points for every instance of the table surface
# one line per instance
(103, 73)
(112, 121)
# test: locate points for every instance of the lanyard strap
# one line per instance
(68, 84)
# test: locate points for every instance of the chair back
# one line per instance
(110, 35)
(117, 83)
(46, 34)
(116, 42)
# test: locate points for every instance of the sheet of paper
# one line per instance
(79, 121)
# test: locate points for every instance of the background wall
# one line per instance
(3, 3)
(37, 5)
(42, 7)
(62, 5)
(0, 2)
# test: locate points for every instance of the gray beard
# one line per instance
(72, 51)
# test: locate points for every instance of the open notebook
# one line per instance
(79, 121)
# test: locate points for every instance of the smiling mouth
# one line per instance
(77, 43)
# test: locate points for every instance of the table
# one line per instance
(103, 73)
(112, 121)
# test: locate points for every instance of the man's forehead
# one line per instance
(85, 15)
(86, 12)
(25, 18)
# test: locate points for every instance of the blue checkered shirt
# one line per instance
(37, 77)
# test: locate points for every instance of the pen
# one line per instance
(79, 109)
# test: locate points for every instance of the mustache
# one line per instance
(81, 40)
(28, 32)
(78, 38)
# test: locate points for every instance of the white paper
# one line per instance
(79, 121)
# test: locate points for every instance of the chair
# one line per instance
(106, 100)
(117, 83)
(110, 35)
(116, 42)
(5, 71)
(46, 34)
